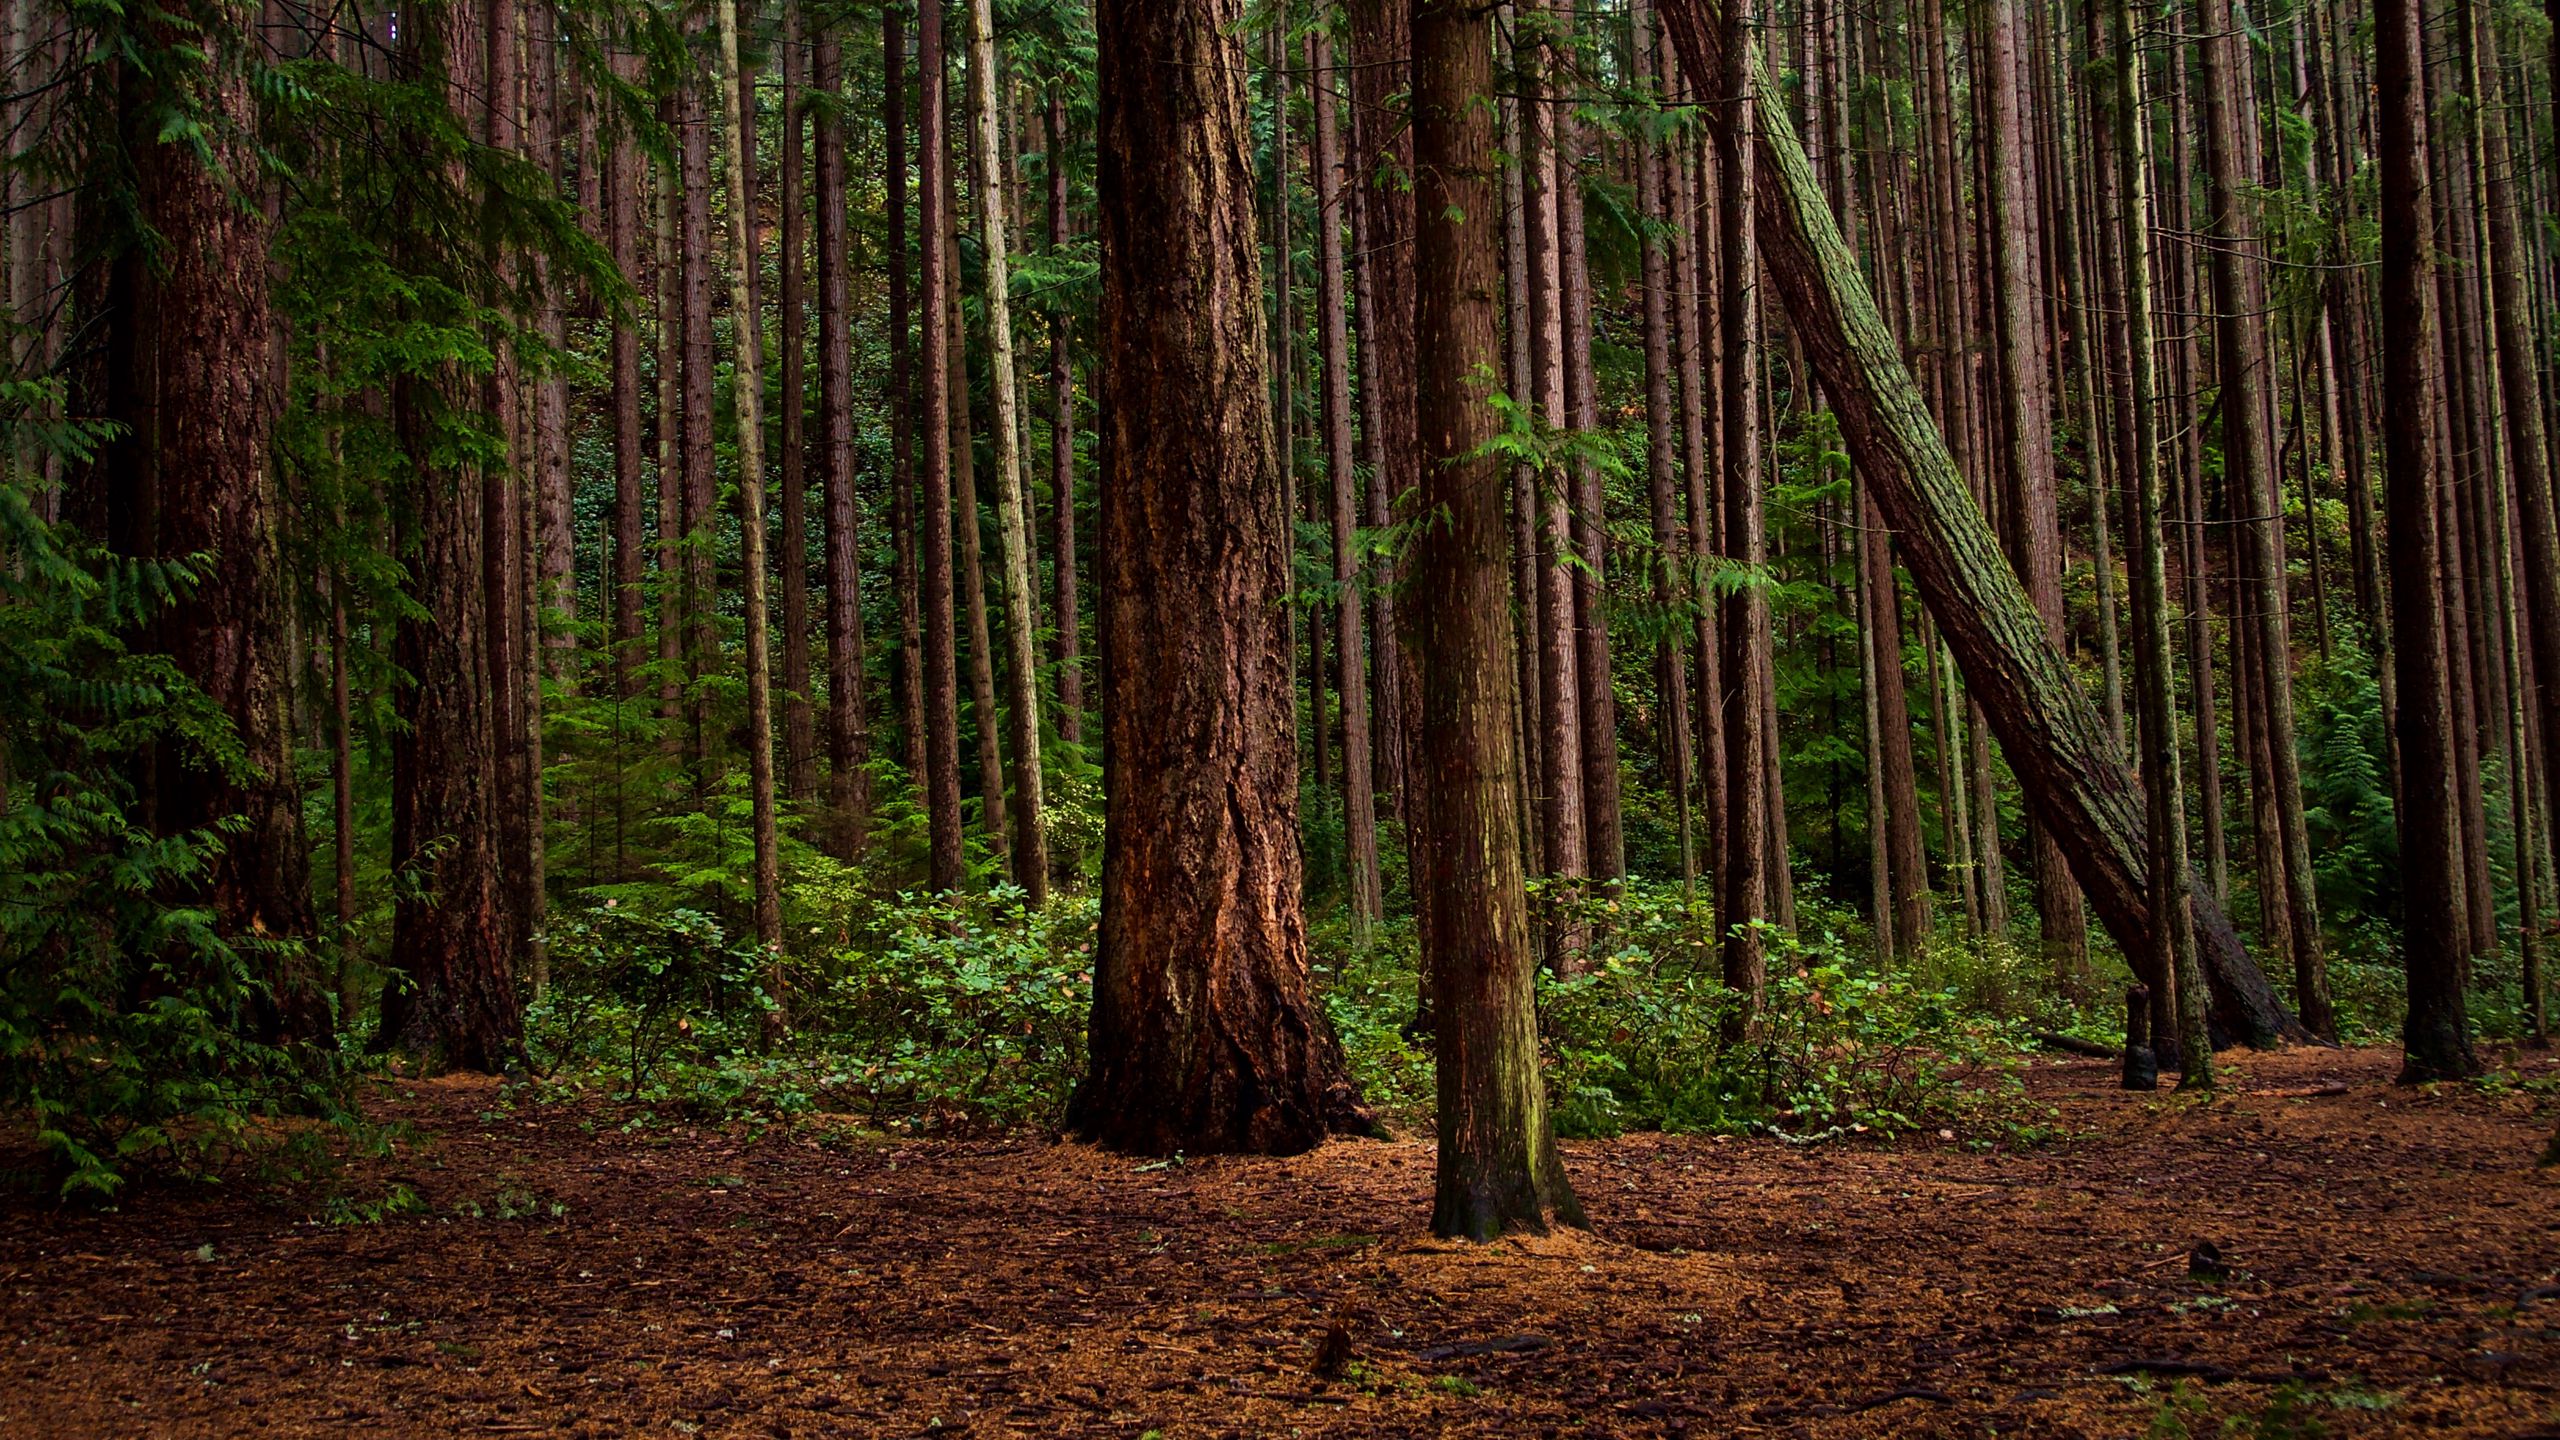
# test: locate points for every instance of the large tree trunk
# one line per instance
(2436, 1033)
(206, 415)
(453, 1000)
(1030, 850)
(1499, 1169)
(940, 707)
(1206, 1035)
(2055, 740)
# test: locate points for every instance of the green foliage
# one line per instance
(125, 1020)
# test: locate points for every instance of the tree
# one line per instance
(2436, 1034)
(1205, 1035)
(204, 426)
(1498, 1170)
(848, 711)
(1030, 850)
(940, 710)
(452, 1003)
(1742, 882)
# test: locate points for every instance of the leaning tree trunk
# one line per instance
(1206, 1035)
(2054, 738)
(1498, 1165)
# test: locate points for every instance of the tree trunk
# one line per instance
(940, 705)
(1359, 799)
(848, 710)
(453, 1003)
(1498, 1167)
(799, 722)
(2052, 735)
(2241, 350)
(1066, 610)
(701, 479)
(1670, 524)
(2171, 970)
(751, 521)
(1206, 1035)
(2031, 528)
(1742, 886)
(622, 242)
(1030, 847)
(2436, 1034)
(207, 417)
(992, 815)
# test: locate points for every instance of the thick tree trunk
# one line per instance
(1206, 1035)
(207, 416)
(2054, 738)
(1030, 846)
(453, 1000)
(1498, 1167)
(940, 706)
(2436, 1033)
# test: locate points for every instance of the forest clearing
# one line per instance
(2388, 1266)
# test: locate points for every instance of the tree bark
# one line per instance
(453, 1001)
(1359, 797)
(1030, 846)
(940, 705)
(1066, 618)
(1498, 1167)
(1206, 1035)
(799, 720)
(848, 672)
(2436, 1034)
(1742, 887)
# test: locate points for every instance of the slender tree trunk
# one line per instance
(1206, 1035)
(993, 817)
(2436, 1033)
(2169, 963)
(799, 721)
(2031, 527)
(940, 679)
(1066, 611)
(1498, 1168)
(1742, 883)
(2241, 349)
(1030, 846)
(701, 479)
(1359, 801)
(751, 517)
(1596, 708)
(622, 241)
(848, 676)
(1664, 498)
(668, 270)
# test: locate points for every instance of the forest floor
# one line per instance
(2392, 1267)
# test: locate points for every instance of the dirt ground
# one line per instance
(2392, 1267)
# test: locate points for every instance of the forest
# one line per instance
(1251, 717)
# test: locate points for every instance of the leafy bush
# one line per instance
(124, 1017)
